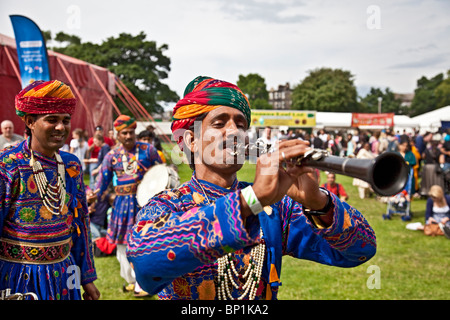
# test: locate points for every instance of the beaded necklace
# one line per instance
(227, 272)
(252, 275)
(52, 196)
(130, 167)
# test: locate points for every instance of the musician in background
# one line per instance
(215, 237)
(125, 166)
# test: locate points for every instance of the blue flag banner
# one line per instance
(31, 50)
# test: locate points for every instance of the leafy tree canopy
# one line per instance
(140, 64)
(442, 92)
(254, 86)
(326, 89)
(425, 95)
(388, 102)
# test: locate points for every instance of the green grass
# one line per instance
(411, 265)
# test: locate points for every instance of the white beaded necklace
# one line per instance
(53, 197)
(227, 271)
(252, 275)
(130, 167)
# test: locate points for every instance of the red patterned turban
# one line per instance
(44, 97)
(123, 122)
(202, 95)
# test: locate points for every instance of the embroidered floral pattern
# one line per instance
(207, 290)
(181, 287)
(27, 214)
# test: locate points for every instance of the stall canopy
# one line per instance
(92, 85)
(433, 120)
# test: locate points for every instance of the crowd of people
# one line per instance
(427, 154)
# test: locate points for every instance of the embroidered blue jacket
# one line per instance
(179, 235)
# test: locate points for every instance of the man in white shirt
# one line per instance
(8, 136)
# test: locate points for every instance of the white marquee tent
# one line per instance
(431, 121)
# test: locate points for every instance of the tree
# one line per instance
(442, 92)
(424, 95)
(388, 103)
(326, 89)
(254, 86)
(139, 63)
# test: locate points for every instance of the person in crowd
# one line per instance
(431, 172)
(392, 141)
(45, 241)
(334, 187)
(215, 237)
(98, 209)
(350, 146)
(78, 146)
(149, 137)
(421, 141)
(127, 163)
(438, 209)
(8, 137)
(317, 142)
(156, 142)
(417, 167)
(404, 148)
(375, 142)
(324, 136)
(112, 137)
(269, 137)
(338, 145)
(364, 188)
(382, 142)
(445, 150)
(104, 149)
(93, 163)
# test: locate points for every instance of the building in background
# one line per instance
(281, 98)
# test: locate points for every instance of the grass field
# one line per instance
(408, 264)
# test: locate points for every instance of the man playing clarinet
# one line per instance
(215, 237)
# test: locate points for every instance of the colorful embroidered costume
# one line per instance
(181, 243)
(125, 203)
(178, 238)
(42, 252)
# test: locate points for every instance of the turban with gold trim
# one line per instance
(124, 122)
(45, 97)
(202, 95)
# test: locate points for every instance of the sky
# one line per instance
(382, 43)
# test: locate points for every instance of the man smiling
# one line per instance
(215, 237)
(8, 136)
(44, 223)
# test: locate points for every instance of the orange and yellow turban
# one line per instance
(202, 95)
(124, 122)
(44, 97)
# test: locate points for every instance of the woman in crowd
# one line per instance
(404, 148)
(438, 209)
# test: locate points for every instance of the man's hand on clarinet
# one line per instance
(276, 175)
